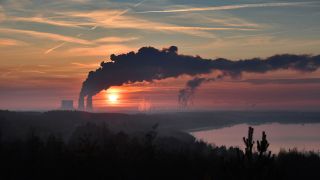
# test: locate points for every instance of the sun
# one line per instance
(113, 98)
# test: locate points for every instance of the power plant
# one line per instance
(150, 64)
(89, 104)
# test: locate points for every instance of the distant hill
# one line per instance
(63, 123)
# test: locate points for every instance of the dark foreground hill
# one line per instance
(79, 145)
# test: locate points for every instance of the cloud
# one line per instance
(97, 50)
(82, 65)
(186, 28)
(120, 21)
(218, 19)
(33, 71)
(45, 35)
(49, 21)
(96, 25)
(283, 81)
(230, 7)
(115, 39)
(2, 14)
(11, 42)
(103, 50)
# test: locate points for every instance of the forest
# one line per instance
(95, 151)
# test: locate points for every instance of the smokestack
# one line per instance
(89, 106)
(81, 103)
(186, 95)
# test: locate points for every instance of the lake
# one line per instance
(304, 137)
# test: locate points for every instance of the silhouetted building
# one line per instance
(67, 105)
(89, 104)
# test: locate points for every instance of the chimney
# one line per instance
(81, 103)
(89, 106)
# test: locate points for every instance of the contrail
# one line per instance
(230, 7)
(120, 13)
(138, 4)
(54, 48)
(95, 27)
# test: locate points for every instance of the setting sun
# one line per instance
(112, 95)
(113, 98)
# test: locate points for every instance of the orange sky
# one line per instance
(47, 49)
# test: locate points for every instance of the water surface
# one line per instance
(304, 137)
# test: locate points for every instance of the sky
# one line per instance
(48, 47)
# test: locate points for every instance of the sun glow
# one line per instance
(112, 96)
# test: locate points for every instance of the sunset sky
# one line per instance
(48, 47)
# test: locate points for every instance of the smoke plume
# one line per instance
(186, 95)
(149, 64)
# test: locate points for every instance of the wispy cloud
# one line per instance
(230, 7)
(82, 65)
(179, 28)
(45, 35)
(45, 20)
(33, 71)
(97, 25)
(132, 22)
(224, 20)
(2, 14)
(283, 81)
(10, 42)
(116, 39)
(103, 50)
(113, 39)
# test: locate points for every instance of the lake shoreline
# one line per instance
(305, 137)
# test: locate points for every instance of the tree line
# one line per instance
(95, 152)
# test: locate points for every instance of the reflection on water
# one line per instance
(301, 136)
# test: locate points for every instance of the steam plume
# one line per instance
(186, 95)
(149, 64)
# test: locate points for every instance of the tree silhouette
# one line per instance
(249, 143)
(263, 145)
